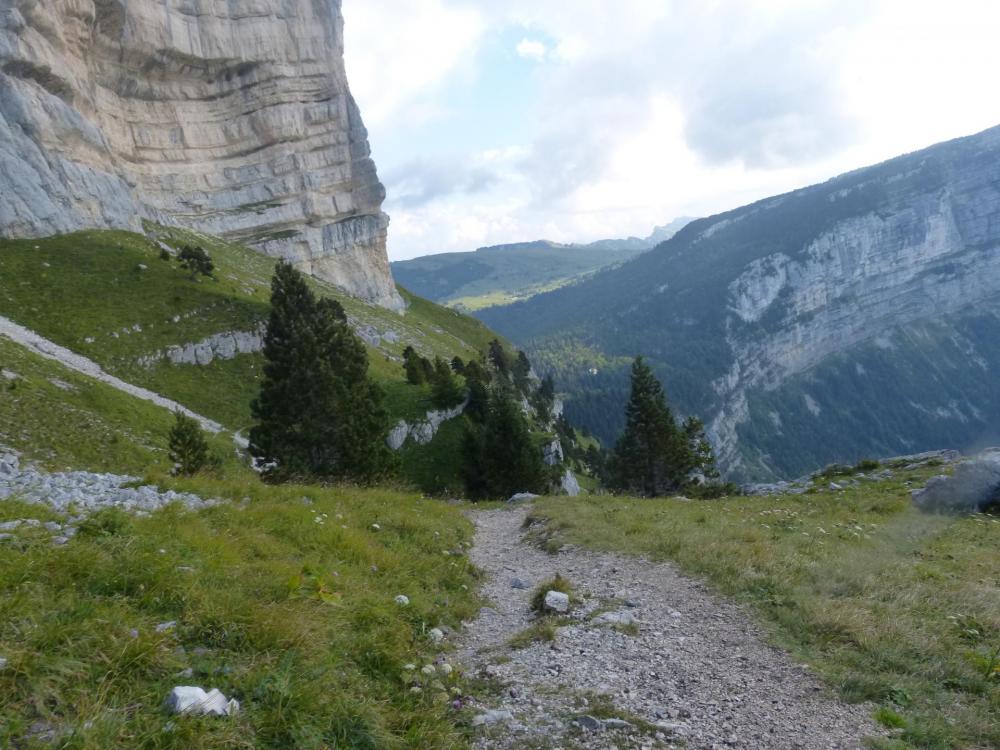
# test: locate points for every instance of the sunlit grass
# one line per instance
(283, 598)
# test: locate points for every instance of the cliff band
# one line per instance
(232, 117)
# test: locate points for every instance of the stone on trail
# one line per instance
(186, 699)
(492, 717)
(517, 583)
(616, 618)
(588, 722)
(556, 601)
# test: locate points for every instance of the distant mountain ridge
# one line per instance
(502, 274)
(858, 317)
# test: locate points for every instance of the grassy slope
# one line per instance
(88, 292)
(64, 420)
(888, 604)
(294, 618)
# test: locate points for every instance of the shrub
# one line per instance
(188, 447)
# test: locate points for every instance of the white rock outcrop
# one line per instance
(233, 118)
(424, 430)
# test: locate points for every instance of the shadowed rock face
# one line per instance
(233, 117)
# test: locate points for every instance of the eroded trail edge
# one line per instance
(646, 659)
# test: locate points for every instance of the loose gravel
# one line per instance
(647, 658)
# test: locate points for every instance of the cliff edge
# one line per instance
(232, 118)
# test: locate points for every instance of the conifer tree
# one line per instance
(415, 372)
(319, 415)
(521, 370)
(187, 446)
(500, 458)
(446, 391)
(498, 357)
(652, 456)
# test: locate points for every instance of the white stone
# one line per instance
(556, 601)
(194, 700)
(522, 497)
(492, 717)
(402, 600)
(570, 484)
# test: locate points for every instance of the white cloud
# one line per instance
(399, 51)
(532, 49)
(657, 108)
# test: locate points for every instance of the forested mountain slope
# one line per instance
(856, 317)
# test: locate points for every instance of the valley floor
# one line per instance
(643, 645)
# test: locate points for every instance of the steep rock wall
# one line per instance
(233, 117)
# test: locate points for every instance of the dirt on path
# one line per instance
(647, 658)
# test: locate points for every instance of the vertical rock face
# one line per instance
(233, 117)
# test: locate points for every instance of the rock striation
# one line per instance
(233, 118)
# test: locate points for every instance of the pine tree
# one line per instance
(702, 458)
(446, 391)
(652, 456)
(415, 371)
(319, 415)
(544, 399)
(500, 458)
(196, 260)
(457, 365)
(521, 370)
(187, 445)
(498, 357)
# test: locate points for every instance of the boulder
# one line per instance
(492, 717)
(616, 618)
(522, 497)
(973, 486)
(556, 601)
(187, 699)
(570, 485)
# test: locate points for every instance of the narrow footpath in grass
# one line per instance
(645, 658)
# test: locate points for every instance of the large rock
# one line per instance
(556, 601)
(234, 118)
(973, 486)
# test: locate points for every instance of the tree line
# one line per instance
(319, 416)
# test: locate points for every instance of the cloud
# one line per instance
(531, 49)
(421, 181)
(648, 109)
(400, 51)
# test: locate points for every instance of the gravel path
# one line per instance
(683, 667)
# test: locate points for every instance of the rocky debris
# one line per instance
(517, 583)
(222, 346)
(492, 717)
(195, 701)
(556, 601)
(570, 485)
(973, 486)
(228, 136)
(522, 497)
(423, 431)
(705, 678)
(84, 492)
(10, 463)
(616, 618)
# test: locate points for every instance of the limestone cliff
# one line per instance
(859, 317)
(233, 117)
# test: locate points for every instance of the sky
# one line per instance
(495, 121)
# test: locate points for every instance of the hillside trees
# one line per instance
(319, 416)
(655, 456)
(187, 447)
(499, 456)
